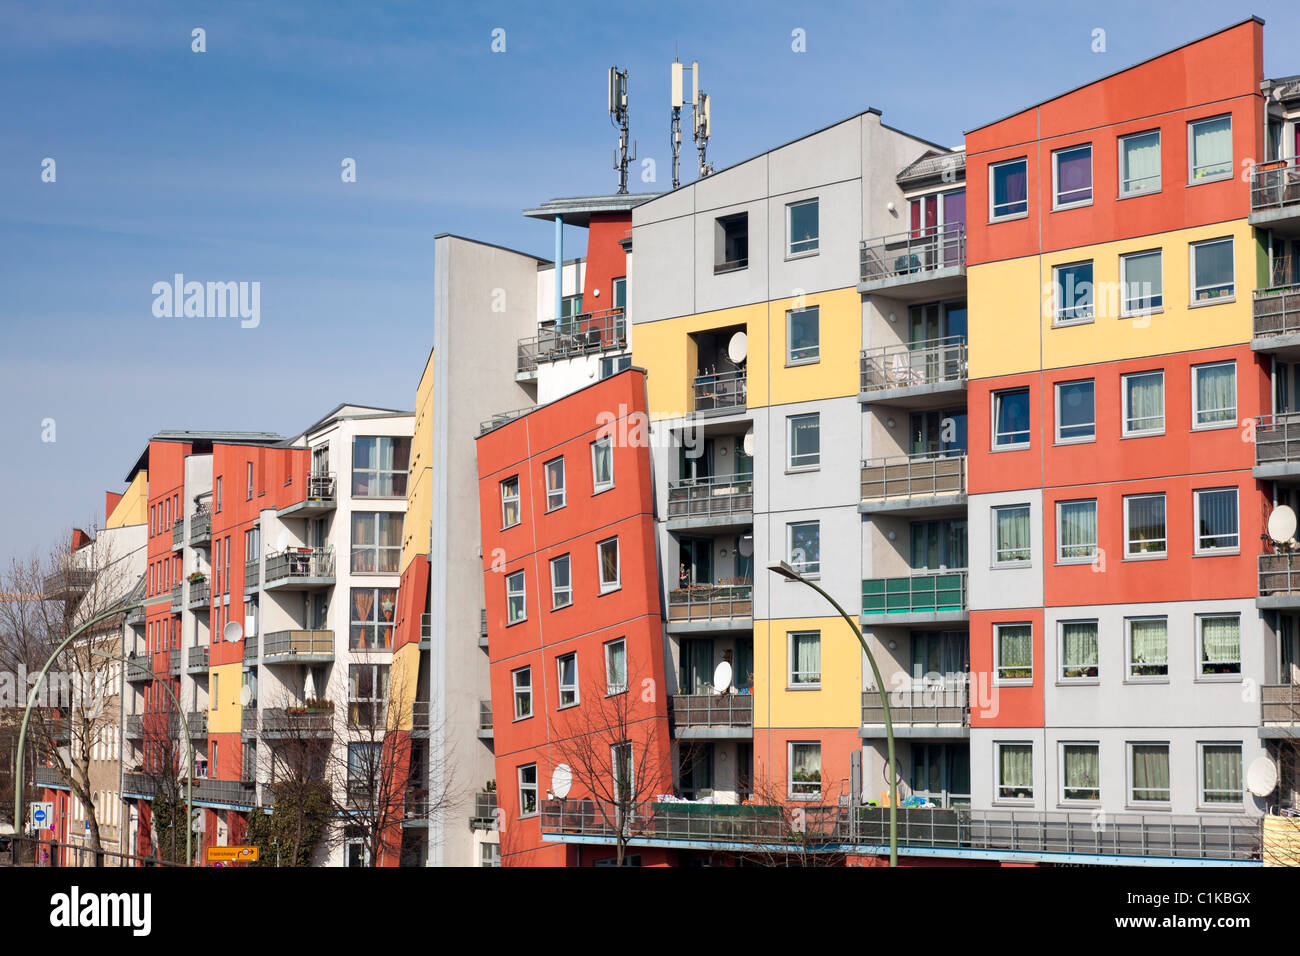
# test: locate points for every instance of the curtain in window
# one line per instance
(1013, 534)
(616, 666)
(1146, 401)
(1143, 281)
(1074, 175)
(604, 462)
(1079, 649)
(1212, 148)
(1222, 774)
(1150, 773)
(1218, 527)
(390, 542)
(1016, 651)
(1149, 644)
(701, 662)
(1016, 768)
(807, 658)
(1082, 773)
(1078, 529)
(806, 767)
(1216, 394)
(1220, 639)
(609, 562)
(1146, 524)
(1141, 163)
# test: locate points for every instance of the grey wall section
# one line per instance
(473, 379)
(1008, 585)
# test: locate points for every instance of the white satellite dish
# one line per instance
(746, 545)
(282, 540)
(748, 443)
(722, 677)
(561, 780)
(233, 631)
(245, 696)
(738, 348)
(1281, 524)
(1261, 777)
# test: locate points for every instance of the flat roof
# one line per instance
(577, 210)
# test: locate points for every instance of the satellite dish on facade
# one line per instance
(1261, 777)
(738, 348)
(745, 545)
(282, 540)
(722, 677)
(748, 443)
(1281, 524)
(233, 631)
(561, 780)
(245, 696)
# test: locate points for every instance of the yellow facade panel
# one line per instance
(837, 702)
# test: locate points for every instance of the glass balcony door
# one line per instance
(941, 774)
(940, 433)
(938, 544)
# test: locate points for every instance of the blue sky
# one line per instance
(225, 166)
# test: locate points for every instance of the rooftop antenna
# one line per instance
(618, 117)
(675, 137)
(700, 99)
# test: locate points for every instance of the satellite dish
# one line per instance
(233, 631)
(722, 677)
(1261, 777)
(282, 540)
(748, 443)
(746, 545)
(245, 696)
(738, 348)
(1281, 524)
(561, 780)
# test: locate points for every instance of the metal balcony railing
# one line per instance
(426, 627)
(139, 783)
(67, 584)
(248, 722)
(250, 648)
(713, 710)
(174, 661)
(1280, 704)
(485, 715)
(703, 602)
(135, 725)
(196, 659)
(910, 476)
(288, 644)
(1276, 311)
(178, 533)
(300, 564)
(252, 574)
(501, 418)
(916, 253)
(235, 792)
(200, 594)
(570, 337)
(44, 776)
(297, 722)
(1279, 574)
(923, 592)
(482, 623)
(1275, 184)
(940, 704)
(139, 667)
(178, 597)
(196, 722)
(321, 486)
(420, 718)
(1277, 439)
(716, 391)
(930, 362)
(717, 495)
(200, 526)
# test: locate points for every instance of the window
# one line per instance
(613, 364)
(1008, 189)
(363, 769)
(602, 464)
(1218, 644)
(1216, 520)
(607, 561)
(249, 493)
(561, 583)
(1209, 149)
(1148, 773)
(528, 790)
(1076, 411)
(804, 546)
(1144, 403)
(367, 695)
(516, 601)
(1139, 163)
(1013, 647)
(1011, 534)
(489, 854)
(1144, 526)
(623, 774)
(1076, 530)
(1079, 650)
(373, 615)
(618, 293)
(379, 466)
(1015, 771)
(1214, 395)
(1011, 418)
(805, 441)
(616, 667)
(802, 226)
(522, 680)
(1220, 774)
(570, 307)
(803, 335)
(731, 243)
(1080, 772)
(217, 505)
(554, 484)
(1147, 640)
(1212, 271)
(805, 658)
(805, 770)
(510, 502)
(1143, 281)
(567, 665)
(1072, 291)
(1072, 176)
(376, 542)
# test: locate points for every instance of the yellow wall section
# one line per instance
(403, 677)
(666, 351)
(224, 711)
(133, 506)
(837, 704)
(1009, 308)
(419, 495)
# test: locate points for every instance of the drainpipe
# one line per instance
(559, 265)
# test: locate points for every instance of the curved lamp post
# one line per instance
(791, 574)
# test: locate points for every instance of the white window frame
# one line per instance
(524, 788)
(1056, 186)
(998, 560)
(1129, 676)
(556, 589)
(806, 568)
(507, 499)
(1125, 311)
(790, 252)
(814, 352)
(564, 688)
(1061, 558)
(1125, 417)
(1159, 186)
(994, 397)
(522, 693)
(1193, 248)
(1201, 675)
(1060, 765)
(1075, 440)
(994, 216)
(521, 592)
(1200, 426)
(1058, 320)
(793, 676)
(790, 463)
(997, 655)
(1130, 777)
(1191, 151)
(1061, 676)
(1199, 546)
(1201, 802)
(552, 504)
(1145, 555)
(597, 485)
(997, 771)
(611, 687)
(790, 782)
(614, 585)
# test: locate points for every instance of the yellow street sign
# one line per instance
(232, 854)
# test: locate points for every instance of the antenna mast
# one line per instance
(675, 134)
(618, 117)
(701, 109)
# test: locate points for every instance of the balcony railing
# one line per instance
(300, 564)
(174, 661)
(713, 710)
(248, 722)
(139, 667)
(297, 722)
(178, 597)
(705, 602)
(920, 593)
(426, 628)
(930, 362)
(178, 534)
(1279, 574)
(420, 718)
(200, 526)
(250, 648)
(485, 810)
(482, 622)
(946, 703)
(196, 722)
(235, 792)
(67, 584)
(571, 337)
(1280, 704)
(252, 574)
(916, 253)
(910, 476)
(44, 776)
(196, 659)
(1276, 311)
(321, 486)
(501, 418)
(293, 644)
(1277, 439)
(717, 495)
(200, 594)
(139, 783)
(1275, 185)
(135, 725)
(717, 391)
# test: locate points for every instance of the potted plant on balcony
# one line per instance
(197, 577)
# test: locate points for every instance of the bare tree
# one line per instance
(781, 832)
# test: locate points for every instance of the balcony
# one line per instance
(134, 726)
(196, 660)
(1279, 710)
(720, 502)
(248, 721)
(711, 607)
(135, 617)
(715, 393)
(297, 722)
(178, 597)
(485, 811)
(1279, 580)
(43, 776)
(922, 484)
(222, 793)
(919, 375)
(1276, 317)
(588, 334)
(298, 647)
(67, 585)
(320, 498)
(200, 598)
(485, 720)
(713, 716)
(1277, 446)
(178, 535)
(426, 631)
(1275, 195)
(139, 667)
(196, 723)
(482, 628)
(300, 569)
(252, 575)
(918, 264)
(415, 807)
(420, 719)
(926, 597)
(174, 662)
(200, 528)
(502, 418)
(936, 710)
(139, 785)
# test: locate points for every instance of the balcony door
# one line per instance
(941, 774)
(696, 769)
(320, 459)
(939, 434)
(696, 561)
(938, 544)
(696, 461)
(1288, 636)
(939, 657)
(695, 659)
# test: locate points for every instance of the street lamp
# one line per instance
(789, 573)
